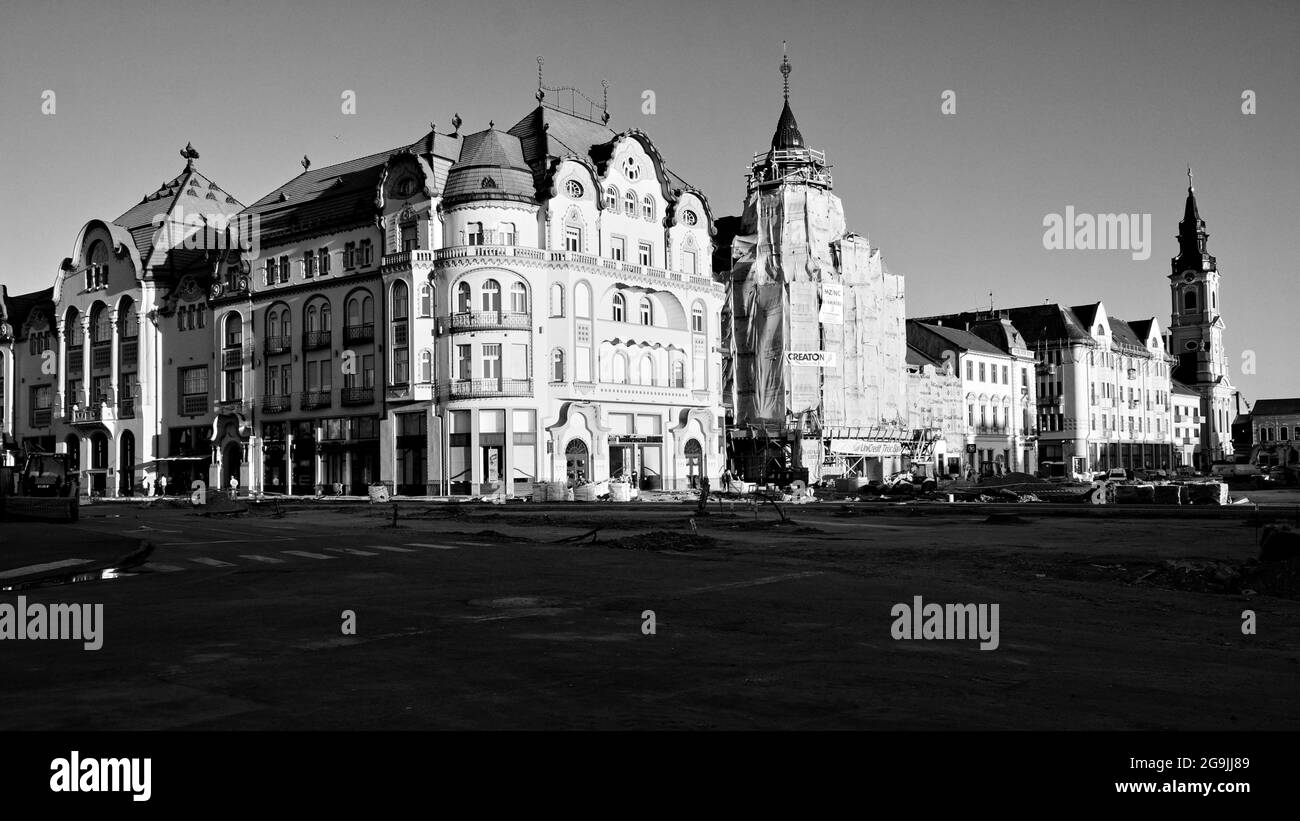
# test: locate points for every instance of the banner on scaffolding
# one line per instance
(812, 359)
(865, 447)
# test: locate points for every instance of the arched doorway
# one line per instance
(575, 459)
(126, 463)
(231, 455)
(98, 464)
(694, 462)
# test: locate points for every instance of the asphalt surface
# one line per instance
(482, 620)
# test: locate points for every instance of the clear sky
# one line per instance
(1097, 105)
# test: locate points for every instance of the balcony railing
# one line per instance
(194, 404)
(92, 413)
(232, 406)
(310, 400)
(126, 409)
(277, 344)
(315, 340)
(482, 388)
(488, 320)
(41, 417)
(232, 358)
(276, 404)
(359, 333)
(567, 257)
(357, 396)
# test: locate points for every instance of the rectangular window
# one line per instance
(617, 248)
(368, 370)
(271, 271)
(492, 361)
(401, 365)
(194, 381)
(1006, 379)
(284, 268)
(645, 254)
(349, 256)
(689, 264)
(309, 264)
(572, 238)
(367, 253)
(234, 385)
(982, 379)
(474, 233)
(463, 362)
(970, 371)
(323, 260)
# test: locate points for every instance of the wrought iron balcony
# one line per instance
(41, 417)
(277, 344)
(311, 400)
(483, 388)
(353, 334)
(490, 320)
(194, 404)
(315, 340)
(357, 396)
(276, 404)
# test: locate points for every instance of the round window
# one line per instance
(573, 188)
(689, 217)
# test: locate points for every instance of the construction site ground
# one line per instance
(535, 616)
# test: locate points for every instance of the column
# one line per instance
(288, 458)
(61, 386)
(113, 364)
(86, 345)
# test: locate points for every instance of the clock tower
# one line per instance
(1196, 331)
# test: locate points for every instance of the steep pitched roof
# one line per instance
(188, 192)
(1275, 407)
(1179, 388)
(962, 339)
(787, 133)
(1121, 332)
(18, 306)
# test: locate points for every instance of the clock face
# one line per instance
(1188, 276)
(1191, 345)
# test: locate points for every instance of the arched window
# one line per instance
(474, 233)
(647, 311)
(557, 299)
(462, 298)
(101, 325)
(620, 368)
(648, 207)
(519, 298)
(582, 300)
(128, 321)
(325, 318)
(74, 330)
(1189, 300)
(426, 366)
(647, 371)
(620, 308)
(557, 365)
(611, 198)
(401, 300)
(234, 330)
(679, 374)
(310, 320)
(629, 204)
(697, 318)
(492, 295)
(426, 299)
(506, 233)
(97, 265)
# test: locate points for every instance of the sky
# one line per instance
(1100, 106)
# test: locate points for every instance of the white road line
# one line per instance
(160, 568)
(352, 551)
(389, 547)
(211, 562)
(306, 554)
(251, 537)
(266, 559)
(37, 568)
(754, 582)
(434, 546)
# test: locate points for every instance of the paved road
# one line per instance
(484, 621)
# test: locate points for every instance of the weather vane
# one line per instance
(785, 70)
(189, 154)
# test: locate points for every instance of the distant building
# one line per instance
(934, 402)
(999, 412)
(1276, 427)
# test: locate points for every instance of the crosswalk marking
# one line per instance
(434, 546)
(307, 554)
(389, 548)
(160, 568)
(267, 559)
(352, 551)
(211, 562)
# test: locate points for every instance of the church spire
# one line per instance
(1192, 235)
(787, 134)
